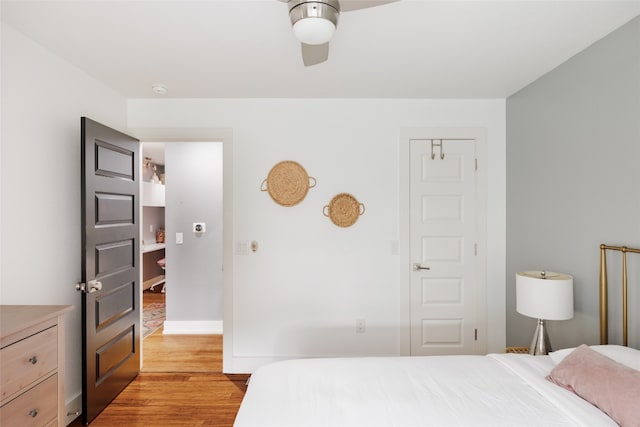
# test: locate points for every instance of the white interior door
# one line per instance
(444, 281)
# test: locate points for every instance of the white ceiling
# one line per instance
(245, 48)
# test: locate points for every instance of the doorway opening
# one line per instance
(193, 299)
(185, 260)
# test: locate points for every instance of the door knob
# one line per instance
(417, 267)
(94, 286)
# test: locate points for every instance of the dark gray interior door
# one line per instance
(110, 265)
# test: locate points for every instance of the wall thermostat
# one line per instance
(199, 227)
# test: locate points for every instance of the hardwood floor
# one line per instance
(198, 395)
(175, 399)
(182, 353)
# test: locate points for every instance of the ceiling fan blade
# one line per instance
(347, 5)
(313, 54)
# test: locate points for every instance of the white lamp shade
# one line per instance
(546, 296)
(314, 30)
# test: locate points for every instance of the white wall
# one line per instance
(300, 294)
(43, 98)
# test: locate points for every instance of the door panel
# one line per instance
(115, 304)
(112, 209)
(443, 231)
(110, 255)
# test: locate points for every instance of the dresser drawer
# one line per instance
(28, 360)
(35, 407)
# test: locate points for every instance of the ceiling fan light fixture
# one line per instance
(314, 30)
(314, 22)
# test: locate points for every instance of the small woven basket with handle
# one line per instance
(343, 210)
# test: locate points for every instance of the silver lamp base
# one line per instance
(540, 344)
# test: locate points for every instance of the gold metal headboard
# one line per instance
(604, 315)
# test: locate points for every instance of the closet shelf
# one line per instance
(153, 194)
(152, 247)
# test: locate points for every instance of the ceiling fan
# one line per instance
(315, 22)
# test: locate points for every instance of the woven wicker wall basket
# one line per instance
(343, 210)
(288, 183)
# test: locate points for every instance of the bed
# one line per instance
(583, 386)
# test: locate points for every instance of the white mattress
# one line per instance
(494, 390)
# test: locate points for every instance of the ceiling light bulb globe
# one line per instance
(314, 30)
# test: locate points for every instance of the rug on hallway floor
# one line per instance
(153, 316)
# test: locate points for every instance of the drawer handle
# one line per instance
(33, 413)
(33, 360)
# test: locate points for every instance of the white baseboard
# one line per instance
(73, 408)
(192, 327)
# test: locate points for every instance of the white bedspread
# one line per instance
(494, 390)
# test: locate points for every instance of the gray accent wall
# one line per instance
(573, 182)
(194, 268)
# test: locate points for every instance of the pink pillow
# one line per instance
(605, 383)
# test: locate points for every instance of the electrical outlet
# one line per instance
(360, 326)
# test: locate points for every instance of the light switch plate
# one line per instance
(179, 238)
(242, 248)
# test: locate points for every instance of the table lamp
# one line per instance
(544, 296)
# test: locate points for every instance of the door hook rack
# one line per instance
(439, 144)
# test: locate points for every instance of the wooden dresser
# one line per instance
(32, 365)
